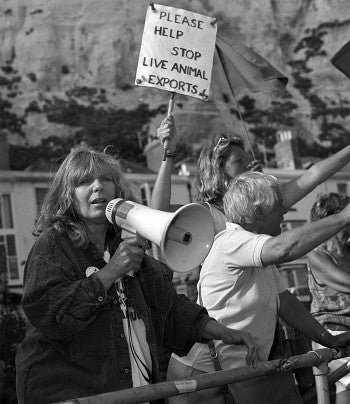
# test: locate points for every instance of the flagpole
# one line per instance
(223, 64)
(170, 110)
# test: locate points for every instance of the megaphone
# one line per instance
(184, 237)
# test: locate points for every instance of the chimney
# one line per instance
(286, 150)
(4, 152)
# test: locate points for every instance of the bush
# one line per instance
(12, 331)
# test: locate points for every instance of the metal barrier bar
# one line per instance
(318, 358)
(332, 377)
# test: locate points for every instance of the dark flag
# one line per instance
(341, 60)
(246, 70)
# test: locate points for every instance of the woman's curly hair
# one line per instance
(329, 204)
(58, 209)
(211, 180)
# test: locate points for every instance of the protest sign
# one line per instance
(177, 51)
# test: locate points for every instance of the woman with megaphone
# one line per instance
(99, 309)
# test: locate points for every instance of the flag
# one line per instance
(341, 60)
(246, 71)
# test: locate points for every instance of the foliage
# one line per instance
(85, 111)
(281, 115)
(51, 149)
(12, 330)
(267, 122)
(9, 121)
(323, 110)
(312, 43)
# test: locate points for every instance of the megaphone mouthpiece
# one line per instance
(179, 235)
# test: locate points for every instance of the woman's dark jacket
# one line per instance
(74, 345)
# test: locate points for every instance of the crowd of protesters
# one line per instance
(101, 311)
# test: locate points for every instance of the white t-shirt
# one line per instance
(239, 293)
(135, 332)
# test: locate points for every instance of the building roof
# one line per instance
(47, 165)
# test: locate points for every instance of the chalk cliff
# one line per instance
(85, 52)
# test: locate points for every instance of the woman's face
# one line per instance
(237, 162)
(92, 195)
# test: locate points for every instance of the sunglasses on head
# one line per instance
(221, 144)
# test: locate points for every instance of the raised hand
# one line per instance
(167, 132)
(215, 330)
(129, 254)
(127, 258)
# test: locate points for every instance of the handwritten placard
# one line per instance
(177, 51)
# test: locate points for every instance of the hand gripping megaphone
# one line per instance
(184, 237)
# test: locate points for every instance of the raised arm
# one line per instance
(161, 194)
(295, 190)
(327, 272)
(295, 243)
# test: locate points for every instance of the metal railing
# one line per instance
(319, 359)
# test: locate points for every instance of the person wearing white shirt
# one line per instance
(240, 286)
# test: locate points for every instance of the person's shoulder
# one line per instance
(236, 235)
(153, 268)
(235, 229)
(47, 242)
(230, 236)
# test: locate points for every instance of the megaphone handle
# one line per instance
(170, 110)
(128, 234)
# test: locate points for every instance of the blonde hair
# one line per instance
(58, 209)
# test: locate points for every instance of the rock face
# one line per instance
(50, 48)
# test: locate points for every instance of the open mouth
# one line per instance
(98, 201)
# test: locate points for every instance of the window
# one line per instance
(6, 220)
(8, 250)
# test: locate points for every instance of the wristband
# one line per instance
(168, 154)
